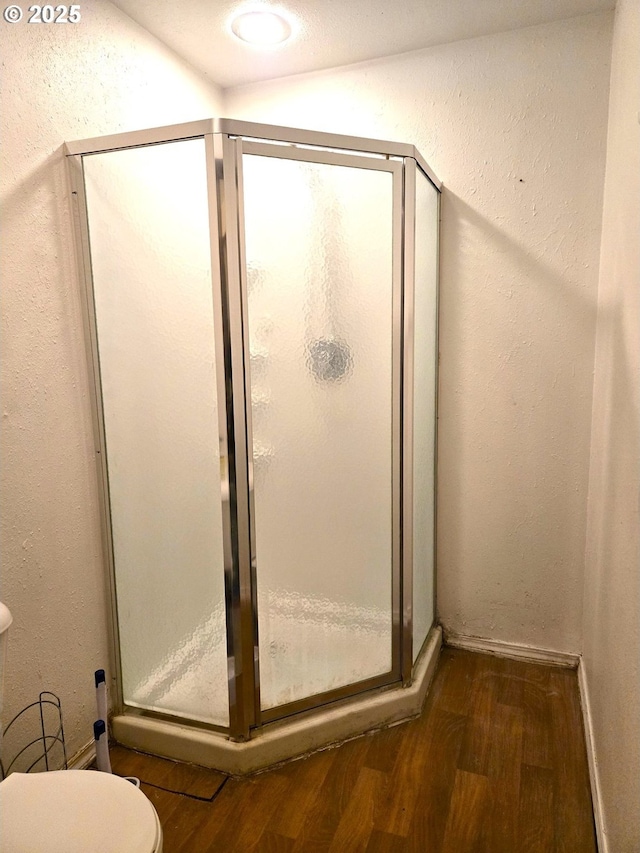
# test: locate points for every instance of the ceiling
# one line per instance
(331, 33)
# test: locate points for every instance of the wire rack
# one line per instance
(45, 716)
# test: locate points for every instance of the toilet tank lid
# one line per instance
(5, 618)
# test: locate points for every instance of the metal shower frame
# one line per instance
(225, 143)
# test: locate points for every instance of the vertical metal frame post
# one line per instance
(409, 269)
(253, 639)
(222, 360)
(397, 641)
(239, 569)
(411, 171)
(83, 250)
(435, 403)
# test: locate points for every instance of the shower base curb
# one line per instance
(285, 739)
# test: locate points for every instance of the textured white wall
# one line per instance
(612, 580)
(103, 75)
(503, 122)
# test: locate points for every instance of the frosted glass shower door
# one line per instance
(148, 224)
(321, 257)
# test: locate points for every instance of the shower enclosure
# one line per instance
(261, 322)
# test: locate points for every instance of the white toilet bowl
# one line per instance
(76, 811)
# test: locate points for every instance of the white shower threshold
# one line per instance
(289, 738)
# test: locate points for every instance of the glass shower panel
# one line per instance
(319, 279)
(150, 248)
(424, 397)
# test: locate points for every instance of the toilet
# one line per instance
(72, 811)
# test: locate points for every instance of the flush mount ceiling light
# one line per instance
(262, 29)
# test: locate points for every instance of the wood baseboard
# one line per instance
(511, 650)
(83, 758)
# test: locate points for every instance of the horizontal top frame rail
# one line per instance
(252, 130)
(333, 157)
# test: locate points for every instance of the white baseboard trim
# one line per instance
(511, 650)
(83, 758)
(594, 776)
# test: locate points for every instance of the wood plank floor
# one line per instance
(496, 763)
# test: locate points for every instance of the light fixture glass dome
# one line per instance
(263, 29)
